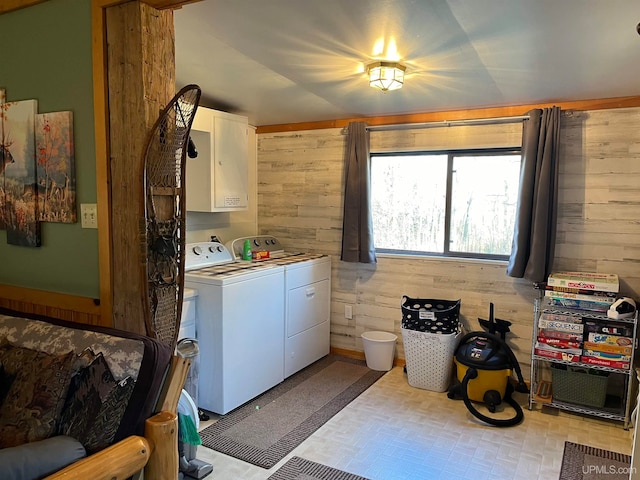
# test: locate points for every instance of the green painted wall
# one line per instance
(45, 54)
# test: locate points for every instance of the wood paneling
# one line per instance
(141, 81)
(51, 304)
(300, 200)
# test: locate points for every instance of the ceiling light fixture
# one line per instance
(386, 75)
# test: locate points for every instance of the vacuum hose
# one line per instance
(470, 375)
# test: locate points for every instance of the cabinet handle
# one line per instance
(311, 291)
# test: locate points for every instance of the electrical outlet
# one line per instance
(348, 312)
(89, 215)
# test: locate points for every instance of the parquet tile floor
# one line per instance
(397, 432)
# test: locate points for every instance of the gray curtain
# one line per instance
(535, 230)
(357, 225)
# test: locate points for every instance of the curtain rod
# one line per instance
(445, 123)
(449, 123)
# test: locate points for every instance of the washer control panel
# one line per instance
(206, 254)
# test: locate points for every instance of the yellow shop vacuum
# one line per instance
(484, 366)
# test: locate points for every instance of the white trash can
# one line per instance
(379, 349)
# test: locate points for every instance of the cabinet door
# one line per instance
(217, 179)
(231, 161)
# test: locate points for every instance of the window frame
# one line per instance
(451, 154)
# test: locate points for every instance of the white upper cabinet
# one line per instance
(217, 179)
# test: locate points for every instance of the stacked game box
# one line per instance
(594, 292)
(608, 344)
(559, 337)
(584, 339)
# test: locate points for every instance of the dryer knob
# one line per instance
(256, 242)
(219, 248)
(197, 250)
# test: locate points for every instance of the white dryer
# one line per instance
(307, 299)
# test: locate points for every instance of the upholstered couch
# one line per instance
(70, 391)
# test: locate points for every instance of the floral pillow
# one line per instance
(34, 399)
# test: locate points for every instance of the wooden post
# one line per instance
(162, 431)
(141, 82)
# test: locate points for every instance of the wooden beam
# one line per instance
(140, 82)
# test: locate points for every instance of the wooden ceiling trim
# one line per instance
(493, 112)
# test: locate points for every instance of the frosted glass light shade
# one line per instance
(386, 75)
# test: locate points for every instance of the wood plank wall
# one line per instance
(300, 200)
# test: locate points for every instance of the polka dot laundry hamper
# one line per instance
(430, 332)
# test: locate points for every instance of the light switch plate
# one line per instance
(89, 215)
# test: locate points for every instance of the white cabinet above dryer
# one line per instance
(217, 179)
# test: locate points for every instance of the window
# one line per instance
(452, 203)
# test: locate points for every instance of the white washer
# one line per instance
(307, 299)
(239, 326)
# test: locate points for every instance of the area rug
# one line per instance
(581, 462)
(300, 469)
(266, 429)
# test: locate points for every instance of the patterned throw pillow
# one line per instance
(83, 359)
(35, 398)
(108, 420)
(95, 405)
